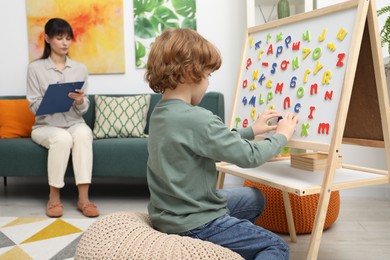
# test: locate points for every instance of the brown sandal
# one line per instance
(88, 209)
(54, 209)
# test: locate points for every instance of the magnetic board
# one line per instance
(297, 66)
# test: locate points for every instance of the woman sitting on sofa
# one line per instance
(62, 133)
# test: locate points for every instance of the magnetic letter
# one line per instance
(304, 131)
(257, 45)
(286, 103)
(253, 101)
(295, 63)
(274, 65)
(248, 63)
(287, 41)
(279, 37)
(251, 40)
(262, 77)
(323, 128)
(296, 46)
(255, 75)
(268, 37)
(261, 101)
(305, 76)
(244, 101)
(300, 92)
(340, 62)
(306, 36)
(284, 64)
(341, 34)
(238, 120)
(331, 46)
(322, 36)
(326, 77)
(318, 67)
(313, 89)
(269, 84)
(306, 52)
(269, 97)
(244, 83)
(253, 114)
(252, 87)
(279, 51)
(245, 123)
(312, 108)
(279, 88)
(270, 50)
(317, 53)
(259, 54)
(297, 108)
(293, 82)
(328, 95)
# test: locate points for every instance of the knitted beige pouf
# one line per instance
(127, 235)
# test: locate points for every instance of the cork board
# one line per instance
(364, 117)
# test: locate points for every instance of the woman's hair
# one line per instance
(179, 55)
(55, 27)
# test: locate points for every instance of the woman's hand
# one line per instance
(261, 126)
(78, 96)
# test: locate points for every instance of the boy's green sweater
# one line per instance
(184, 143)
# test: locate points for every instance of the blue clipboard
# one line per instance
(56, 98)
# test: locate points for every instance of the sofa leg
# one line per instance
(5, 181)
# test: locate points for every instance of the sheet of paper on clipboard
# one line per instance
(56, 98)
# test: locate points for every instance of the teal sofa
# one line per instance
(113, 157)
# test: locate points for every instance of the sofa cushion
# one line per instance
(16, 119)
(120, 117)
(120, 157)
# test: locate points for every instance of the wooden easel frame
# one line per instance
(365, 9)
(369, 8)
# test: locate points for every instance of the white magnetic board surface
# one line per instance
(296, 67)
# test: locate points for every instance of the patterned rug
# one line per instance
(40, 238)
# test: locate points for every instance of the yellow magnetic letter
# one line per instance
(318, 67)
(326, 77)
(341, 34)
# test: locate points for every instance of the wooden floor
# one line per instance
(362, 230)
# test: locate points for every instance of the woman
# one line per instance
(62, 133)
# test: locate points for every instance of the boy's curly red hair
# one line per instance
(180, 54)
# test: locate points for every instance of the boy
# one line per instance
(186, 140)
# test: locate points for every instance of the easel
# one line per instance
(367, 59)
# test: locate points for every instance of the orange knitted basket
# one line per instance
(303, 208)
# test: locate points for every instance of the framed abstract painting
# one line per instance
(97, 27)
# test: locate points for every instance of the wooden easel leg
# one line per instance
(289, 216)
(319, 221)
(221, 180)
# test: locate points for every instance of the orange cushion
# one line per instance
(16, 119)
(303, 208)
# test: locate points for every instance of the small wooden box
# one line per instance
(312, 161)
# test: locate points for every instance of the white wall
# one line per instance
(222, 22)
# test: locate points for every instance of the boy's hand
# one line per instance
(260, 126)
(287, 125)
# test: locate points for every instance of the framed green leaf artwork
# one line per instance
(152, 17)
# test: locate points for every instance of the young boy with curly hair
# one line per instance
(184, 143)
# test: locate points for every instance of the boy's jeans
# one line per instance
(237, 232)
